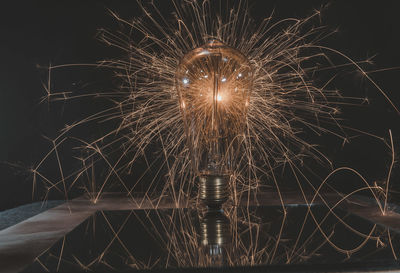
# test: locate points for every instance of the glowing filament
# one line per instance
(214, 84)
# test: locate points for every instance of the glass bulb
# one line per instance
(214, 84)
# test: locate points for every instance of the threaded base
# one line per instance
(214, 190)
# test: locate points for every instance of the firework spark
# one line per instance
(288, 102)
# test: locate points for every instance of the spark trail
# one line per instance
(289, 101)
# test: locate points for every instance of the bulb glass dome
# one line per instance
(214, 84)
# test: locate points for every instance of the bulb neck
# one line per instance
(214, 190)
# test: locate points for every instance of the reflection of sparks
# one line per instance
(240, 237)
(288, 103)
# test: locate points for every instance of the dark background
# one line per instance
(36, 33)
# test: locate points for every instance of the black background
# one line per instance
(36, 33)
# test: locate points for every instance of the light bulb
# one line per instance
(214, 83)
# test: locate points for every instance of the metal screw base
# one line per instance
(214, 190)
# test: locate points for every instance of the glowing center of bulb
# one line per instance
(214, 84)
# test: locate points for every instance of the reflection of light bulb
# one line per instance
(215, 235)
(214, 83)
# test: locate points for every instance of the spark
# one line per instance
(289, 102)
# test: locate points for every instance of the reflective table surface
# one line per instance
(266, 238)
